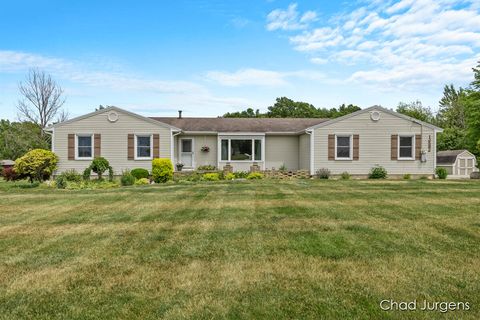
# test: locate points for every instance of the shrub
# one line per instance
(9, 174)
(86, 173)
(377, 172)
(61, 182)
(229, 176)
(345, 175)
(99, 165)
(407, 176)
(475, 175)
(140, 173)
(240, 174)
(71, 175)
(127, 179)
(323, 173)
(423, 178)
(283, 167)
(36, 165)
(441, 173)
(142, 181)
(206, 168)
(254, 176)
(211, 176)
(162, 170)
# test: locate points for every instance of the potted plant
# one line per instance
(205, 149)
(179, 166)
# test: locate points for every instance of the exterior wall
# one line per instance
(374, 145)
(281, 150)
(114, 144)
(200, 158)
(304, 152)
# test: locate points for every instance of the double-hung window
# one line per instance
(241, 150)
(143, 147)
(343, 147)
(84, 146)
(406, 147)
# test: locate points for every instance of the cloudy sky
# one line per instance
(209, 57)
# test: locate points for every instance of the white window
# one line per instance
(241, 150)
(406, 147)
(143, 147)
(343, 147)
(84, 147)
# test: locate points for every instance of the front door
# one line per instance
(186, 152)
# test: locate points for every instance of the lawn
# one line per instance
(240, 250)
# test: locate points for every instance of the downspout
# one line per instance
(312, 156)
(172, 144)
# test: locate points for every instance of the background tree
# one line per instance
(287, 108)
(42, 99)
(416, 110)
(17, 138)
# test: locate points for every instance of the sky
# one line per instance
(208, 57)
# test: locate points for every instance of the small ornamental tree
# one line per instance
(162, 170)
(36, 165)
(99, 165)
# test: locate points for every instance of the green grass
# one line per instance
(239, 250)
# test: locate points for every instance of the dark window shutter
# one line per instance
(97, 143)
(131, 146)
(71, 146)
(156, 145)
(356, 147)
(331, 147)
(418, 147)
(394, 149)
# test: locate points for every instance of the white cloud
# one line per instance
(398, 42)
(176, 92)
(258, 77)
(289, 19)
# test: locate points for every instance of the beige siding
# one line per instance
(448, 168)
(113, 140)
(304, 152)
(375, 145)
(281, 150)
(200, 158)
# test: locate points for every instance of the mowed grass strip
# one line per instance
(239, 250)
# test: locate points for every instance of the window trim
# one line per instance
(349, 135)
(412, 136)
(252, 139)
(136, 157)
(77, 135)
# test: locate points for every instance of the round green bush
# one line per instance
(99, 166)
(377, 172)
(441, 173)
(36, 165)
(140, 173)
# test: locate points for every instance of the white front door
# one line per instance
(186, 152)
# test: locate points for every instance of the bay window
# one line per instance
(241, 149)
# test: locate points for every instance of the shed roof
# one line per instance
(448, 156)
(285, 125)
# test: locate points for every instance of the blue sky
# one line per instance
(211, 57)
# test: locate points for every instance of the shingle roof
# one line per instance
(241, 124)
(448, 156)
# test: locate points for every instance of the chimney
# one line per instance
(179, 114)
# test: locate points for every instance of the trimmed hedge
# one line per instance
(140, 173)
(162, 170)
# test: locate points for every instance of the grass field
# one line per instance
(240, 250)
